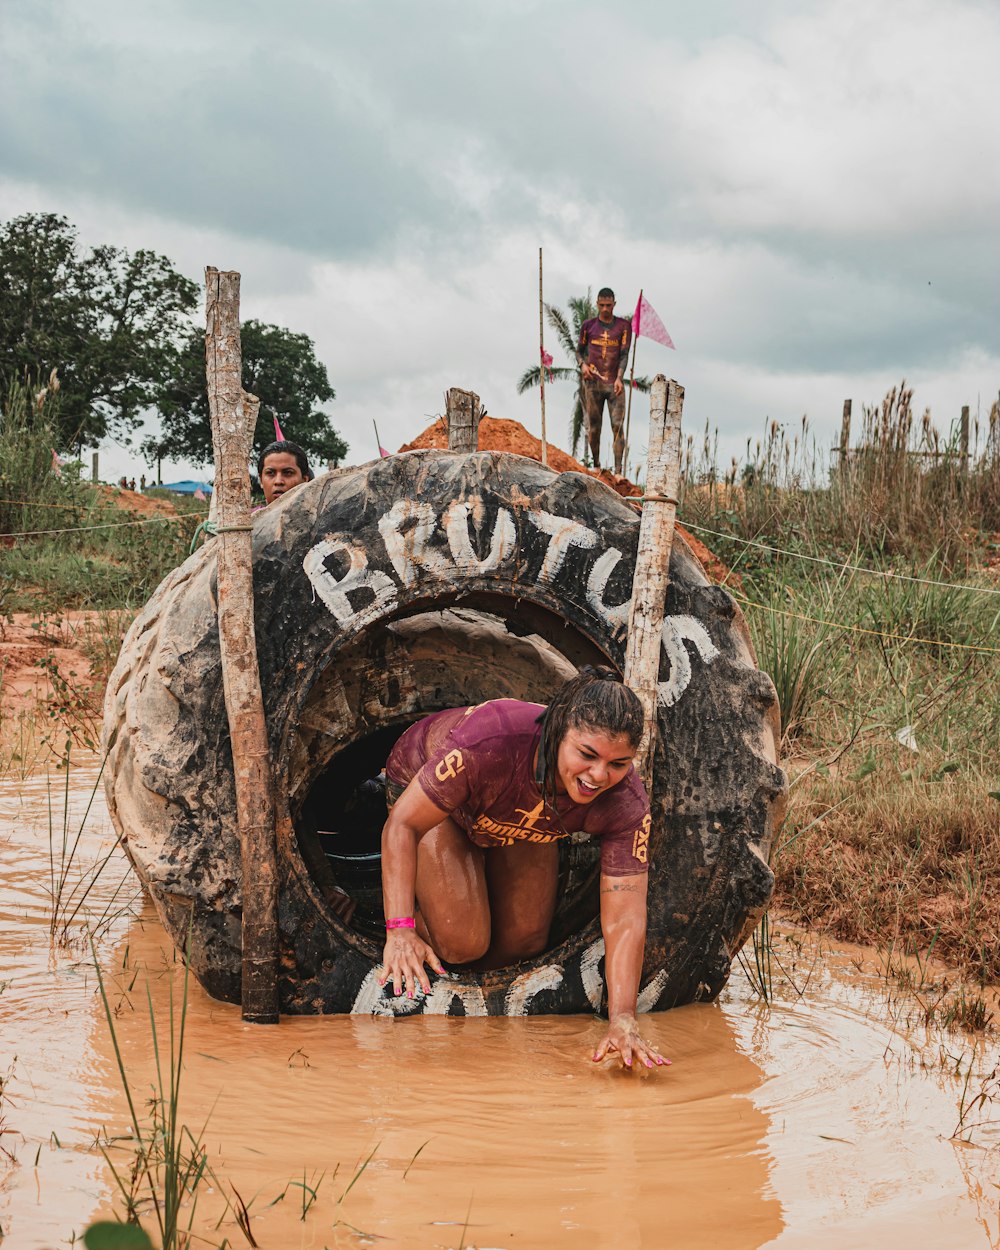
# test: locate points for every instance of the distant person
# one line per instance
(602, 353)
(142, 482)
(281, 466)
(131, 484)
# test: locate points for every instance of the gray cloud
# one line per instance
(806, 191)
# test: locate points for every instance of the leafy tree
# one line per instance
(109, 322)
(280, 368)
(567, 329)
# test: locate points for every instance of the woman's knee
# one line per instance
(462, 946)
(528, 940)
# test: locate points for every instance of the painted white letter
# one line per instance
(359, 576)
(409, 551)
(565, 534)
(590, 973)
(456, 522)
(677, 629)
(524, 988)
(616, 617)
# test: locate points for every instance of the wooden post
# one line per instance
(541, 358)
(94, 469)
(845, 433)
(462, 413)
(234, 415)
(963, 438)
(652, 561)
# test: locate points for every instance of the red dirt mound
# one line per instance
(501, 434)
(132, 501)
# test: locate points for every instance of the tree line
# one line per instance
(119, 330)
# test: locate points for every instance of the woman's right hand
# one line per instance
(403, 962)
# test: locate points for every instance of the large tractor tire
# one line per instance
(388, 591)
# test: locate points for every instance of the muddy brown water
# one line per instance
(822, 1119)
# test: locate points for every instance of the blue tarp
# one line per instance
(186, 488)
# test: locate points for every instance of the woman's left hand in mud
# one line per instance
(623, 1039)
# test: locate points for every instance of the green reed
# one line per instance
(169, 1162)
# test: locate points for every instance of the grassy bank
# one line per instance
(870, 583)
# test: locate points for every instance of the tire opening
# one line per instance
(393, 677)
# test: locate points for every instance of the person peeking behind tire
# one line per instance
(478, 799)
(281, 466)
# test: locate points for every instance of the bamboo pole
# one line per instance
(652, 561)
(234, 416)
(541, 357)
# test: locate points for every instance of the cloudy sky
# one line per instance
(808, 192)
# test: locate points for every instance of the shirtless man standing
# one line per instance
(602, 353)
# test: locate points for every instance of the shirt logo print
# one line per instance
(640, 841)
(450, 766)
(530, 817)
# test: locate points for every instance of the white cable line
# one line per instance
(112, 525)
(836, 564)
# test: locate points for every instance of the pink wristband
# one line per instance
(401, 922)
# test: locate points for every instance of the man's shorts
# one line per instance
(393, 789)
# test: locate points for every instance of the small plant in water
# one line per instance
(68, 897)
(979, 1092)
(309, 1189)
(5, 1081)
(169, 1162)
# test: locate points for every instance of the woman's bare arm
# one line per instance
(623, 922)
(405, 955)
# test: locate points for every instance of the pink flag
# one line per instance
(277, 431)
(646, 322)
(56, 462)
(382, 452)
(199, 493)
(547, 361)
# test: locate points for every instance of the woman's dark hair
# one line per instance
(596, 698)
(287, 449)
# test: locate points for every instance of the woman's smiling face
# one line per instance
(591, 761)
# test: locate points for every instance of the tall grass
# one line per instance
(33, 496)
(866, 580)
(101, 558)
(904, 489)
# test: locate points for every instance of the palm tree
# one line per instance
(581, 309)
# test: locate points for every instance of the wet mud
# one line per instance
(824, 1118)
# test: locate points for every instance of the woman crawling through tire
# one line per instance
(479, 797)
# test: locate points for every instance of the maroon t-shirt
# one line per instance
(477, 764)
(605, 346)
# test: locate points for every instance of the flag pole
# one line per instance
(631, 383)
(541, 357)
(378, 441)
